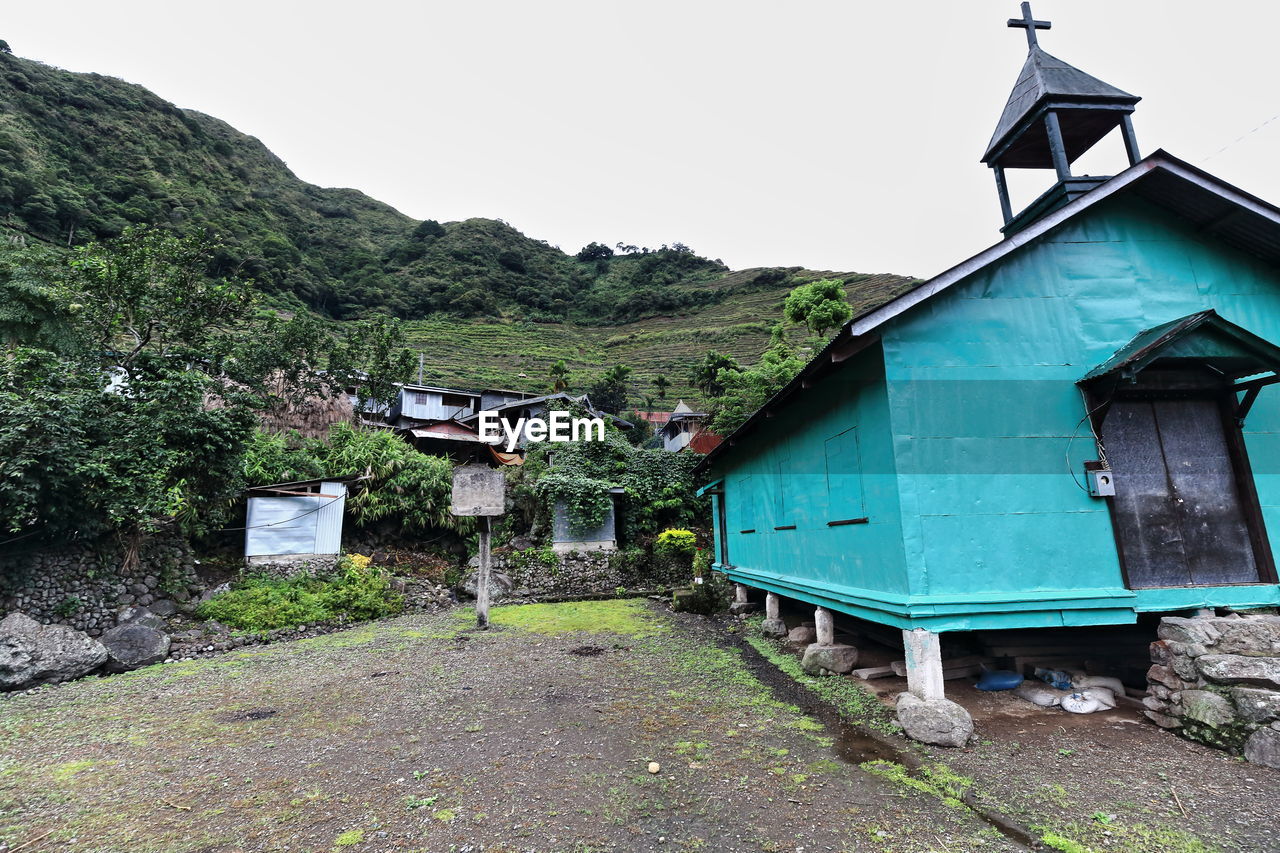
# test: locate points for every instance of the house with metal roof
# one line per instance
(1072, 427)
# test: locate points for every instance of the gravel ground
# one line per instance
(1104, 781)
(418, 733)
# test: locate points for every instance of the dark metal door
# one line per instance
(1179, 512)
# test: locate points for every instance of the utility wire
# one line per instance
(1241, 137)
(281, 521)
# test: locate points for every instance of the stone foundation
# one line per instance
(1216, 680)
(291, 565)
(82, 586)
(543, 573)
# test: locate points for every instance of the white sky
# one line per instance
(833, 135)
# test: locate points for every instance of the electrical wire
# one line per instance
(1241, 137)
(283, 520)
(1097, 440)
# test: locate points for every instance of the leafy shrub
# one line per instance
(707, 598)
(676, 542)
(354, 591)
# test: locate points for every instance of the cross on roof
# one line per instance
(1030, 24)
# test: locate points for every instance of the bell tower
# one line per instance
(1055, 113)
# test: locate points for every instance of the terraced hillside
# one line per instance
(469, 353)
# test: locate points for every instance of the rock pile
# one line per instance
(1216, 680)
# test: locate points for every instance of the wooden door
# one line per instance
(1185, 512)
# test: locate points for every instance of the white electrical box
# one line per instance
(1102, 483)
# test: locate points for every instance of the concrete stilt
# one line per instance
(772, 626)
(741, 603)
(925, 714)
(924, 663)
(826, 656)
(825, 624)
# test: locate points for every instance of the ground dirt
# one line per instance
(420, 733)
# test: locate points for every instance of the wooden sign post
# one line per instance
(480, 491)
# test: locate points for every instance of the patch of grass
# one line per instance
(67, 770)
(630, 617)
(937, 780)
(1134, 838)
(350, 838)
(850, 699)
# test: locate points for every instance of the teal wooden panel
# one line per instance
(1076, 295)
(971, 553)
(827, 457)
(964, 439)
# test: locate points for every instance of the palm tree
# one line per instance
(559, 376)
(662, 384)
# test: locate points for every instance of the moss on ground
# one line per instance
(631, 617)
(851, 700)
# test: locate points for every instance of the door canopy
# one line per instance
(1203, 342)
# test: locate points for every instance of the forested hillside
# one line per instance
(82, 156)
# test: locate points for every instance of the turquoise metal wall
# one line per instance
(826, 458)
(984, 408)
(968, 441)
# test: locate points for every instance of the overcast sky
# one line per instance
(833, 135)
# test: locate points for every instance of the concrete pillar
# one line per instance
(741, 603)
(826, 656)
(924, 663)
(772, 626)
(825, 625)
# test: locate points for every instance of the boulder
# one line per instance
(837, 658)
(1251, 635)
(802, 635)
(137, 614)
(1255, 704)
(163, 607)
(739, 608)
(1182, 629)
(134, 645)
(1207, 708)
(773, 628)
(499, 585)
(1263, 747)
(1240, 669)
(32, 654)
(937, 721)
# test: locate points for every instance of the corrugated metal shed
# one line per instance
(295, 518)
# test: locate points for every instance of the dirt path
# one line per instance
(418, 734)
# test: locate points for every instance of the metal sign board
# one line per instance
(478, 490)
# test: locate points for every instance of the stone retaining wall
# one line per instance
(83, 586)
(1216, 680)
(535, 573)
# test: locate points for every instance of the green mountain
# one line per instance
(82, 156)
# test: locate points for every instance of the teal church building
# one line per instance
(1071, 428)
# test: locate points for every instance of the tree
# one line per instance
(705, 374)
(747, 389)
(135, 420)
(372, 359)
(148, 295)
(821, 305)
(609, 392)
(595, 252)
(661, 383)
(559, 372)
(4, 47)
